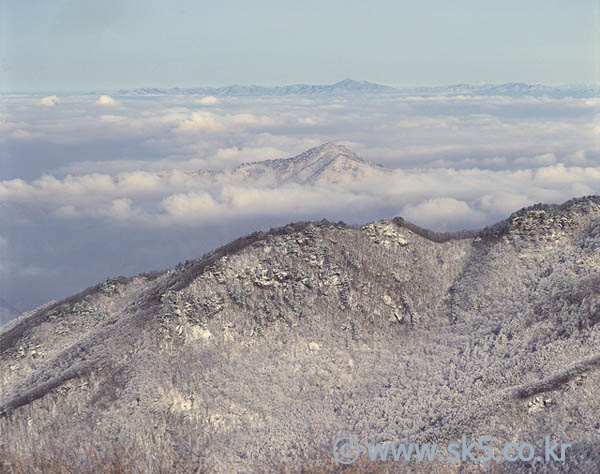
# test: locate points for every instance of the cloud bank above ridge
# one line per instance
(481, 151)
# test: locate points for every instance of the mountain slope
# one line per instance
(270, 348)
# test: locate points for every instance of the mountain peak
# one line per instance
(351, 85)
(350, 82)
(326, 163)
(329, 149)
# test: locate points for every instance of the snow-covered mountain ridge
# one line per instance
(353, 87)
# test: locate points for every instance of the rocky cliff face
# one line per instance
(271, 347)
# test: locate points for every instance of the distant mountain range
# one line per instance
(351, 87)
(509, 89)
(347, 86)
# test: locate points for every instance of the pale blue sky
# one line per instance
(62, 45)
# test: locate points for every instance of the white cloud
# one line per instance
(559, 175)
(121, 209)
(196, 205)
(106, 100)
(138, 182)
(500, 203)
(308, 121)
(578, 158)
(209, 122)
(50, 101)
(250, 119)
(200, 122)
(67, 212)
(536, 161)
(439, 213)
(112, 118)
(208, 100)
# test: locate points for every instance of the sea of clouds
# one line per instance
(98, 185)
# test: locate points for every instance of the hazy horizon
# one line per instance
(73, 45)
